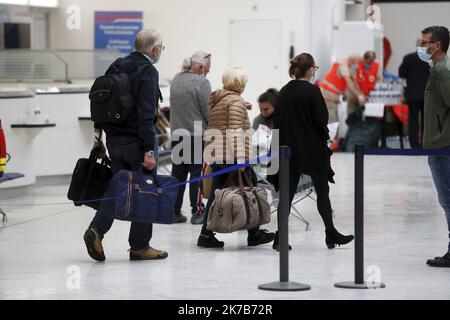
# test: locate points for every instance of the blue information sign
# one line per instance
(117, 29)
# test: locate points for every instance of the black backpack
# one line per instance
(111, 97)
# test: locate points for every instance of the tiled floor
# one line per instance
(42, 252)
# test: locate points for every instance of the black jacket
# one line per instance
(416, 73)
(301, 116)
(145, 89)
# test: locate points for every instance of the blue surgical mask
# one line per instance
(423, 54)
(152, 61)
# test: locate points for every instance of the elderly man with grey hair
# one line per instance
(131, 143)
(189, 112)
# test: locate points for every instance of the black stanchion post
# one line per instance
(359, 282)
(283, 225)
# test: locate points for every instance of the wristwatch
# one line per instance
(150, 153)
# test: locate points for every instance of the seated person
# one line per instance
(267, 102)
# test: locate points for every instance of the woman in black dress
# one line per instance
(301, 117)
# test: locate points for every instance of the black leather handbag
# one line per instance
(90, 180)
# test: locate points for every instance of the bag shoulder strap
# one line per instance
(114, 68)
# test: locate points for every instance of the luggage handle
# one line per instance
(105, 161)
(141, 177)
(241, 181)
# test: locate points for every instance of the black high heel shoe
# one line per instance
(333, 238)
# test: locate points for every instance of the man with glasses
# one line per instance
(433, 50)
(132, 143)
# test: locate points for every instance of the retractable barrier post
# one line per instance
(283, 225)
(359, 282)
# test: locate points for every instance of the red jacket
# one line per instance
(2, 151)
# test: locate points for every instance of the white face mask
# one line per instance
(424, 55)
(156, 60)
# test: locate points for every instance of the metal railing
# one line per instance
(22, 65)
(87, 64)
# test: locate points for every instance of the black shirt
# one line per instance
(302, 117)
(416, 73)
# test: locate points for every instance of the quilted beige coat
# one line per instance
(228, 139)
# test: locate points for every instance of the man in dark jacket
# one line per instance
(131, 144)
(416, 72)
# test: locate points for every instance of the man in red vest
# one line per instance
(336, 82)
(367, 72)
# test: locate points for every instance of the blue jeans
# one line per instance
(440, 170)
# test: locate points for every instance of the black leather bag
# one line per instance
(90, 180)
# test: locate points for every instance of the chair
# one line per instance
(8, 177)
(305, 190)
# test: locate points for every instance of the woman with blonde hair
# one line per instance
(227, 126)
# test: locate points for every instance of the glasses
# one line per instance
(316, 67)
(161, 47)
(426, 43)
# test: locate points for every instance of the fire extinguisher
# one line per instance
(2, 151)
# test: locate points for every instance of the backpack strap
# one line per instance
(114, 67)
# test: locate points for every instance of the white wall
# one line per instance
(403, 23)
(188, 26)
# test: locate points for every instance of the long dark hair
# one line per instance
(300, 65)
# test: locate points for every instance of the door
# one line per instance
(255, 45)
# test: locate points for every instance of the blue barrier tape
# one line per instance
(224, 171)
(406, 152)
(214, 174)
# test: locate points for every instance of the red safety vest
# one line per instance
(332, 82)
(2, 150)
(402, 112)
(367, 79)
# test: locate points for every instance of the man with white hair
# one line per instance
(131, 143)
(189, 113)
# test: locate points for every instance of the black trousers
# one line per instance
(181, 172)
(322, 189)
(125, 153)
(415, 125)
